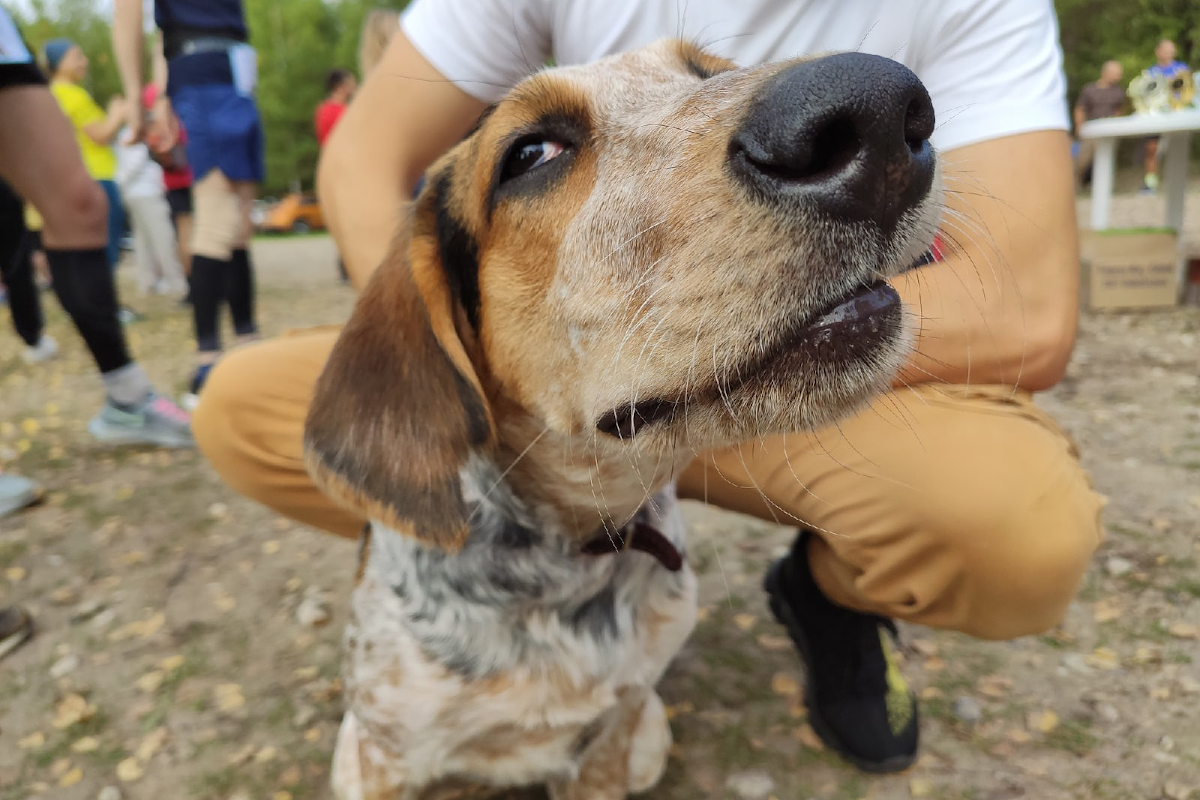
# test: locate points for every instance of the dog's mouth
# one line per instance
(845, 333)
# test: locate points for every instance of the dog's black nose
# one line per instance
(848, 133)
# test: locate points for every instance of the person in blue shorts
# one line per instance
(206, 73)
(1165, 66)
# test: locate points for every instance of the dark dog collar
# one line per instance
(636, 535)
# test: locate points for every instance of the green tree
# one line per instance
(1095, 31)
(79, 21)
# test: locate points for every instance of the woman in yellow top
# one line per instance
(95, 129)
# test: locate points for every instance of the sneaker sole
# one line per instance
(784, 616)
(110, 436)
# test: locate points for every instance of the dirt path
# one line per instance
(170, 662)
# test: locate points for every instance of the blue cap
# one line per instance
(54, 50)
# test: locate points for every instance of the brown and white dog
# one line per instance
(622, 265)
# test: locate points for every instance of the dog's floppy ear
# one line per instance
(399, 408)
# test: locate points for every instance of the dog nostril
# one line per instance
(819, 154)
(834, 146)
(918, 122)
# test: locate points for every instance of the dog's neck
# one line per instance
(579, 484)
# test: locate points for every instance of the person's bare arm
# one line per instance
(1003, 306)
(403, 117)
(127, 48)
(105, 130)
(1079, 117)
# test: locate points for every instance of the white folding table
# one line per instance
(1175, 128)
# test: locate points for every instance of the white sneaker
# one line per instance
(45, 349)
(156, 421)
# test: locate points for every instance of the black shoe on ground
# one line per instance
(858, 702)
(16, 626)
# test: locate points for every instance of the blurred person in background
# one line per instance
(1104, 97)
(95, 128)
(169, 149)
(339, 88)
(17, 245)
(1165, 65)
(206, 74)
(140, 180)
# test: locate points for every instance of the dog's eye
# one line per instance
(529, 154)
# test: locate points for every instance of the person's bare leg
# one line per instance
(48, 171)
(1151, 163)
(183, 236)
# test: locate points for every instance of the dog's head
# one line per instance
(658, 250)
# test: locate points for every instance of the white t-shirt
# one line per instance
(992, 67)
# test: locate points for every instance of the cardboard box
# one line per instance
(1130, 268)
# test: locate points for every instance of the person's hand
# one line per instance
(131, 111)
(162, 131)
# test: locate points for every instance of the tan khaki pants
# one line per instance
(956, 507)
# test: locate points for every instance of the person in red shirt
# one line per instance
(339, 88)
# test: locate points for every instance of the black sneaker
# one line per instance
(858, 702)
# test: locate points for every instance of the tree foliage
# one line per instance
(299, 41)
(1095, 31)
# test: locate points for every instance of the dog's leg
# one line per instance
(649, 746)
(604, 767)
(361, 771)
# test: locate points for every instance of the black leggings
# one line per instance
(85, 287)
(16, 268)
(214, 282)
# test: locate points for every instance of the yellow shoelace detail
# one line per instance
(899, 700)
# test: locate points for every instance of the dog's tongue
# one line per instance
(858, 305)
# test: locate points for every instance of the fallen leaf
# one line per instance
(71, 777)
(1184, 630)
(151, 744)
(87, 744)
(229, 696)
(266, 754)
(1104, 658)
(1018, 736)
(151, 681)
(1107, 610)
(123, 493)
(932, 693)
(271, 547)
(1042, 721)
(72, 709)
(686, 707)
(282, 796)
(920, 787)
(934, 664)
(312, 735)
(1147, 655)
(15, 574)
(305, 673)
(784, 685)
(745, 621)
(995, 686)
(225, 603)
(30, 426)
(171, 663)
(926, 647)
(1160, 693)
(32, 742)
(768, 641)
(130, 770)
(808, 737)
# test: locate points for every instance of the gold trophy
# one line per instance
(1155, 94)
